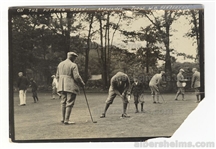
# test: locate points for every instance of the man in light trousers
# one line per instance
(22, 84)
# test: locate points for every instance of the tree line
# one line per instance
(39, 41)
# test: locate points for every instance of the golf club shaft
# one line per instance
(162, 97)
(88, 104)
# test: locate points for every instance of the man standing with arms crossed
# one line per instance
(69, 81)
(119, 85)
(195, 83)
(153, 84)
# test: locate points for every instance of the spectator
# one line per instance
(195, 83)
(180, 84)
(54, 87)
(22, 85)
(34, 87)
(137, 90)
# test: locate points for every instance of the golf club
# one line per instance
(129, 98)
(162, 98)
(128, 107)
(88, 106)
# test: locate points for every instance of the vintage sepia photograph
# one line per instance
(105, 73)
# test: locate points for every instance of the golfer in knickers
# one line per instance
(153, 84)
(119, 85)
(69, 81)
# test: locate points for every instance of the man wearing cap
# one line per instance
(69, 81)
(195, 83)
(119, 85)
(137, 89)
(180, 84)
(155, 81)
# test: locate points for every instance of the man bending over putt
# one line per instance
(119, 85)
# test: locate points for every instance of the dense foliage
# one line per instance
(38, 42)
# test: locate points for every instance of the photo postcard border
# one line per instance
(48, 9)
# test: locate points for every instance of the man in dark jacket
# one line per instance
(137, 90)
(34, 87)
(22, 84)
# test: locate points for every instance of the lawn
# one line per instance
(41, 120)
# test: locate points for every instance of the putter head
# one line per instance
(94, 121)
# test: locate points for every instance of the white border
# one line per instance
(204, 120)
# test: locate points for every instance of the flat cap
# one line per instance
(71, 54)
(181, 70)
